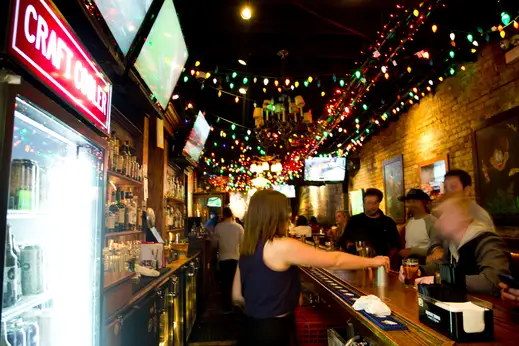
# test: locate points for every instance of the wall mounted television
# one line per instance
(325, 169)
(288, 190)
(197, 138)
(123, 18)
(163, 55)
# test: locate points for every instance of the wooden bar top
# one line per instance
(403, 303)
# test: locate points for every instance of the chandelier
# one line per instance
(282, 122)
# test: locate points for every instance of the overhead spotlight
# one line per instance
(246, 13)
(242, 62)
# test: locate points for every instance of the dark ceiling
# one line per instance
(323, 38)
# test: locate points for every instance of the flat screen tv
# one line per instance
(287, 190)
(197, 138)
(123, 18)
(325, 169)
(162, 58)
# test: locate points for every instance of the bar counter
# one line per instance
(404, 306)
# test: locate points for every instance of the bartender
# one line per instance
(373, 227)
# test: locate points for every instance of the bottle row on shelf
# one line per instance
(122, 158)
(175, 186)
(123, 212)
(174, 217)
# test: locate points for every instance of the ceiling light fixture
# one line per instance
(246, 13)
(242, 62)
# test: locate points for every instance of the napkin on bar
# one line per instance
(372, 305)
(146, 271)
(473, 315)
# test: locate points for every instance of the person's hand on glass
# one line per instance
(507, 293)
(381, 261)
(426, 280)
(405, 253)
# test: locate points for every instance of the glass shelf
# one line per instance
(24, 305)
(122, 180)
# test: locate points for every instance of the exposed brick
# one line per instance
(443, 123)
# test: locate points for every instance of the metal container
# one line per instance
(381, 277)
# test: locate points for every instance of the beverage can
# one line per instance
(32, 331)
(16, 182)
(381, 277)
(32, 270)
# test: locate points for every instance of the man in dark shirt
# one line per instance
(376, 229)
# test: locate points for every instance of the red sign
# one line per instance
(46, 45)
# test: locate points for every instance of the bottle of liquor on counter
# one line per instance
(122, 211)
(119, 157)
(112, 214)
(131, 210)
(10, 287)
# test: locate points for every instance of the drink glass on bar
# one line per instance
(410, 271)
(316, 241)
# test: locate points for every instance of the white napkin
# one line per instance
(372, 305)
(146, 271)
(473, 315)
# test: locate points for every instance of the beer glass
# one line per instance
(410, 271)
(316, 241)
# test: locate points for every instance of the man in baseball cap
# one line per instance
(420, 227)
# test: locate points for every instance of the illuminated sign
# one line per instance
(45, 44)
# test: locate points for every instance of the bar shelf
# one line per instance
(25, 304)
(120, 179)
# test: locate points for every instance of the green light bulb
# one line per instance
(357, 120)
(452, 71)
(341, 83)
(505, 18)
(358, 74)
(233, 127)
(451, 54)
(306, 83)
(186, 78)
(234, 74)
(470, 38)
(365, 107)
(245, 80)
(231, 85)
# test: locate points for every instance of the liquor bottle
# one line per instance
(131, 210)
(112, 215)
(9, 292)
(17, 251)
(122, 211)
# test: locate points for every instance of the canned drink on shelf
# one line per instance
(32, 270)
(16, 335)
(32, 333)
(16, 182)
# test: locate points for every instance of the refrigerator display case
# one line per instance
(54, 115)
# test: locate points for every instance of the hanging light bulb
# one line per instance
(197, 63)
(276, 83)
(310, 79)
(242, 91)
(219, 93)
(264, 90)
(246, 13)
(231, 85)
(236, 99)
(296, 84)
(434, 28)
(323, 93)
(287, 82)
(255, 80)
(505, 18)
(452, 36)
(215, 80)
(266, 81)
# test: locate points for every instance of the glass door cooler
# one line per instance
(51, 270)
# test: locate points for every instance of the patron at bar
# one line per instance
(420, 228)
(373, 227)
(470, 245)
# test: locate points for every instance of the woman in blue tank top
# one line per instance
(267, 282)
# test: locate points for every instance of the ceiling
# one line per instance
(322, 38)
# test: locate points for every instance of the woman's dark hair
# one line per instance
(301, 221)
(227, 213)
(374, 192)
(463, 176)
(313, 220)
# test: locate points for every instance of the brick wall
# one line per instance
(443, 122)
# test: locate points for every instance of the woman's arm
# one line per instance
(237, 296)
(293, 252)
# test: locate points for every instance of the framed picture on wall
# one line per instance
(356, 202)
(393, 173)
(496, 161)
(432, 174)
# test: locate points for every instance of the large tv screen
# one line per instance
(163, 55)
(123, 18)
(288, 190)
(325, 169)
(197, 138)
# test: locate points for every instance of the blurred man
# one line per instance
(458, 181)
(419, 229)
(470, 245)
(376, 229)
